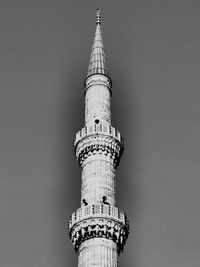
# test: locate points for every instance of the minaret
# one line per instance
(98, 229)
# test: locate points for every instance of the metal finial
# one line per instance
(98, 16)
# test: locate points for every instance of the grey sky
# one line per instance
(152, 52)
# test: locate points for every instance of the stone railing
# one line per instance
(98, 129)
(97, 210)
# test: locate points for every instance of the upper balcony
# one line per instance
(98, 129)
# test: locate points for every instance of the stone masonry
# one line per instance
(98, 229)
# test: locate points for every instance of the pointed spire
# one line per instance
(97, 63)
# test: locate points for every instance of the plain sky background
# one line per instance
(153, 54)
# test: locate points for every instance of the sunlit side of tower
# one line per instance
(98, 229)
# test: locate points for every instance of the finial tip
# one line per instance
(98, 17)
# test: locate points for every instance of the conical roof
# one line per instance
(97, 64)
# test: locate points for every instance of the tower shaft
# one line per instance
(98, 252)
(97, 102)
(98, 229)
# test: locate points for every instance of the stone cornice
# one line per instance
(98, 220)
(99, 145)
(98, 139)
(98, 129)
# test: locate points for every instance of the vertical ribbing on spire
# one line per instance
(97, 63)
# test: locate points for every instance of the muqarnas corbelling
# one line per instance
(100, 221)
(99, 144)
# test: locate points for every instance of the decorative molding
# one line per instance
(100, 221)
(104, 129)
(97, 140)
(98, 79)
(98, 210)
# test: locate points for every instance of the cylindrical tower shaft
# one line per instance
(98, 180)
(97, 104)
(98, 252)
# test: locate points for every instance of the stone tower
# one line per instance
(98, 229)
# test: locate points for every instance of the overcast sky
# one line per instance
(153, 56)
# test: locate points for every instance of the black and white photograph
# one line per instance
(99, 133)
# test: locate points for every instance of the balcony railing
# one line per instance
(98, 129)
(97, 210)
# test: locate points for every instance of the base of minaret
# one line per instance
(98, 252)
